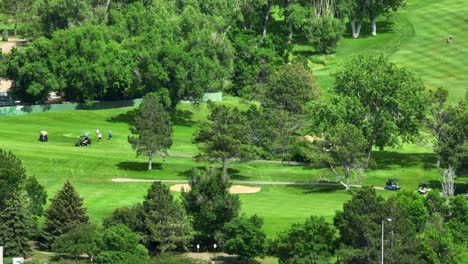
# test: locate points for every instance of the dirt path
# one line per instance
(6, 47)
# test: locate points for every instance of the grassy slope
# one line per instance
(414, 37)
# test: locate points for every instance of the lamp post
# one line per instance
(383, 221)
(214, 251)
(198, 251)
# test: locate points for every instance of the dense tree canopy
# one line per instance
(315, 237)
(387, 102)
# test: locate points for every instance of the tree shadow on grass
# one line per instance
(191, 172)
(366, 28)
(138, 166)
(183, 118)
(460, 188)
(234, 260)
(386, 160)
(127, 117)
(307, 189)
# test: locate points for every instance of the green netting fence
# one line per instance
(29, 109)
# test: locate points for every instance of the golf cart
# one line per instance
(83, 141)
(423, 188)
(43, 137)
(392, 184)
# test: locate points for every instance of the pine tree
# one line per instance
(153, 128)
(166, 224)
(15, 226)
(64, 213)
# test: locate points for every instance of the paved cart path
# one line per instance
(248, 182)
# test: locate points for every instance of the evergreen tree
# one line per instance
(224, 137)
(65, 211)
(166, 224)
(12, 175)
(153, 127)
(210, 204)
(15, 226)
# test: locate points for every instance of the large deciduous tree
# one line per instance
(118, 243)
(360, 226)
(358, 11)
(210, 204)
(65, 212)
(314, 238)
(224, 136)
(387, 102)
(153, 128)
(81, 239)
(244, 237)
(452, 147)
(346, 145)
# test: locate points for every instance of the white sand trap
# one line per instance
(233, 189)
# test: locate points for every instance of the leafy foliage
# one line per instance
(118, 242)
(243, 237)
(81, 239)
(315, 237)
(290, 88)
(325, 33)
(346, 145)
(386, 102)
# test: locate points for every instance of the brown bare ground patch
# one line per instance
(233, 189)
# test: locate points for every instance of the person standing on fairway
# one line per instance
(110, 135)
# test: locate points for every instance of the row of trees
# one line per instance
(422, 230)
(374, 104)
(86, 50)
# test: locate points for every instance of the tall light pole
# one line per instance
(383, 221)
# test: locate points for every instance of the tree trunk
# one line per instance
(107, 9)
(374, 26)
(290, 37)
(353, 28)
(358, 30)
(15, 31)
(346, 172)
(150, 160)
(265, 21)
(371, 141)
(448, 187)
(225, 166)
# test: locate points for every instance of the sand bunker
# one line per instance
(233, 189)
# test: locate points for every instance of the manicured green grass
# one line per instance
(91, 168)
(414, 37)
